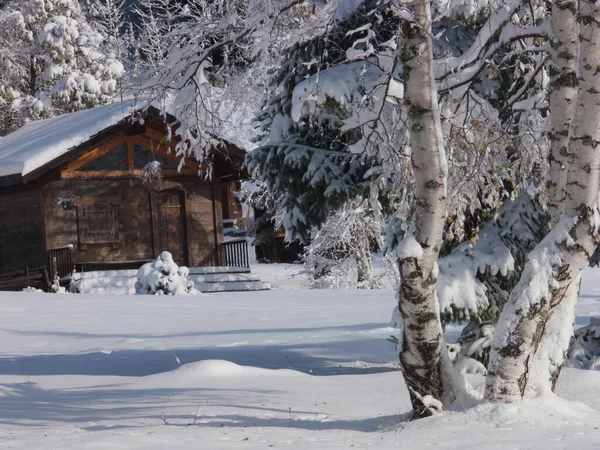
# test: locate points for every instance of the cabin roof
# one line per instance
(38, 146)
(38, 143)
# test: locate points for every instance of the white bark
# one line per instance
(551, 352)
(563, 98)
(364, 266)
(422, 334)
(555, 265)
(564, 44)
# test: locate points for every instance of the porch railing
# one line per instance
(60, 261)
(235, 253)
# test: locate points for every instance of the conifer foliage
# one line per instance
(53, 62)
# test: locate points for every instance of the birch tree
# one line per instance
(555, 266)
(564, 43)
(422, 343)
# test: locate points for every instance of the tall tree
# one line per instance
(53, 62)
(422, 343)
(555, 266)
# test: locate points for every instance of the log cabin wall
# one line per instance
(21, 230)
(232, 209)
(119, 220)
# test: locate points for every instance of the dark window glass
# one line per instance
(142, 156)
(116, 159)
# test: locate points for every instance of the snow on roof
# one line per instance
(40, 142)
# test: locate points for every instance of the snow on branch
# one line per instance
(498, 31)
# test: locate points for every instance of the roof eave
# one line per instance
(11, 180)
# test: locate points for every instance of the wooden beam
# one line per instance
(70, 154)
(130, 153)
(101, 149)
(154, 206)
(162, 150)
(216, 215)
(95, 174)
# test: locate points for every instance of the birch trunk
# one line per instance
(564, 45)
(364, 266)
(550, 355)
(422, 334)
(554, 267)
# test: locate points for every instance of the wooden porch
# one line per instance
(60, 262)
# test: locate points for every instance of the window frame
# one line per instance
(90, 205)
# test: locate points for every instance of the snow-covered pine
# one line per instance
(584, 349)
(316, 154)
(555, 265)
(476, 278)
(53, 61)
(113, 20)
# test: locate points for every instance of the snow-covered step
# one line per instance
(233, 286)
(133, 272)
(223, 277)
(218, 269)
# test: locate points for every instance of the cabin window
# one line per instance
(115, 159)
(142, 156)
(98, 222)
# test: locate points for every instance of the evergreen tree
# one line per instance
(54, 62)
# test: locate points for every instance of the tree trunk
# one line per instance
(364, 266)
(564, 46)
(422, 334)
(550, 355)
(555, 265)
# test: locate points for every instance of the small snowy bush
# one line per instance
(163, 277)
(31, 289)
(584, 351)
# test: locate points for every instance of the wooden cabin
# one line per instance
(71, 188)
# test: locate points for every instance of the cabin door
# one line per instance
(169, 231)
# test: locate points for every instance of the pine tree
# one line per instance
(54, 62)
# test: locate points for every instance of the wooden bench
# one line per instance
(17, 280)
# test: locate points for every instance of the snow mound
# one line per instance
(544, 410)
(217, 368)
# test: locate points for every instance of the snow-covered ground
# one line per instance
(286, 368)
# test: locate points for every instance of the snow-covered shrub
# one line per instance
(339, 253)
(163, 277)
(331, 274)
(584, 351)
(32, 289)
